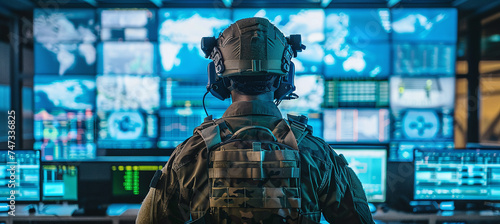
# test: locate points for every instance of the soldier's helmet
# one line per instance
(252, 47)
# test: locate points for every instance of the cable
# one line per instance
(203, 101)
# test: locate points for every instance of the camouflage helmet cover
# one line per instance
(252, 47)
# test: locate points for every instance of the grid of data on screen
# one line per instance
(457, 175)
(135, 78)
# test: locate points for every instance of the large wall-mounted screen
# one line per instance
(110, 80)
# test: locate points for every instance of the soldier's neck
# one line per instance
(236, 97)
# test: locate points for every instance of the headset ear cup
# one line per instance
(227, 92)
(277, 82)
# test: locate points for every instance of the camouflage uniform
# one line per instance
(328, 185)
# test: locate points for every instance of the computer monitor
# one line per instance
(420, 59)
(128, 24)
(369, 164)
(61, 59)
(358, 25)
(64, 25)
(422, 92)
(424, 24)
(127, 130)
(128, 181)
(403, 151)
(457, 175)
(128, 93)
(360, 93)
(422, 125)
(118, 58)
(356, 125)
(60, 182)
(69, 93)
(20, 172)
(65, 135)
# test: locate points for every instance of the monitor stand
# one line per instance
(471, 206)
(424, 206)
(99, 210)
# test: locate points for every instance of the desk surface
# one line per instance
(128, 212)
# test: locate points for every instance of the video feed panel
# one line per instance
(65, 135)
(310, 89)
(356, 94)
(128, 24)
(356, 125)
(189, 94)
(60, 183)
(424, 24)
(127, 181)
(422, 125)
(20, 172)
(122, 58)
(180, 32)
(457, 175)
(307, 22)
(128, 92)
(403, 151)
(127, 129)
(370, 167)
(64, 25)
(423, 59)
(410, 92)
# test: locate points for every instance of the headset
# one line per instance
(218, 85)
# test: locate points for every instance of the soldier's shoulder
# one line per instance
(189, 150)
(316, 146)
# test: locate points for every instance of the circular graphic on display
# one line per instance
(125, 125)
(420, 124)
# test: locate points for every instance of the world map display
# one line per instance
(71, 93)
(180, 32)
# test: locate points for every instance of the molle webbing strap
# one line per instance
(299, 126)
(284, 134)
(255, 156)
(212, 134)
(255, 202)
(255, 197)
(299, 130)
(255, 192)
(254, 173)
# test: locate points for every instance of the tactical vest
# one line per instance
(254, 173)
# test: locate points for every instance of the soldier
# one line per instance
(253, 166)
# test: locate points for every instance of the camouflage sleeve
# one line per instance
(344, 199)
(161, 203)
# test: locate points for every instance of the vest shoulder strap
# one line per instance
(299, 126)
(211, 130)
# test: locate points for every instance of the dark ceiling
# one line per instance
(465, 7)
